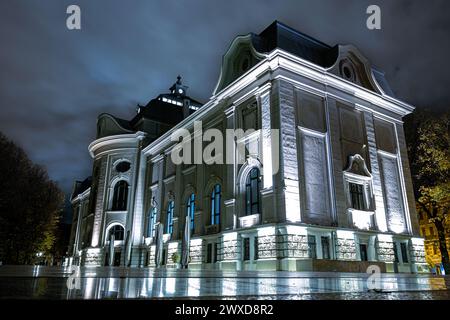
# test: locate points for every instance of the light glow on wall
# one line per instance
(345, 234)
(361, 220)
(397, 225)
(292, 203)
(196, 242)
(230, 236)
(266, 231)
(417, 241)
(384, 237)
(297, 230)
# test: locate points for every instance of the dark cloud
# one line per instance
(54, 82)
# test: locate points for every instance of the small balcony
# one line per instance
(212, 229)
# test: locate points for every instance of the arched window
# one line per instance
(252, 187)
(120, 196)
(170, 208)
(117, 231)
(151, 224)
(191, 209)
(215, 204)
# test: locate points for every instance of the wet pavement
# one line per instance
(40, 282)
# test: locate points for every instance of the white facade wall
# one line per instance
(322, 121)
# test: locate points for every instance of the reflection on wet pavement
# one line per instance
(141, 283)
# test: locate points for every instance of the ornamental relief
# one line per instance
(229, 250)
(267, 246)
(121, 168)
(385, 251)
(195, 253)
(346, 249)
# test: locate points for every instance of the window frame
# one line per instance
(366, 251)
(253, 182)
(357, 196)
(169, 213)
(246, 249)
(151, 222)
(190, 210)
(312, 246)
(216, 199)
(120, 196)
(114, 228)
(328, 246)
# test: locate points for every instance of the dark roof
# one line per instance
(166, 112)
(123, 123)
(279, 35)
(81, 186)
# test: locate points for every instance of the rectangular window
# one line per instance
(325, 247)
(357, 196)
(403, 247)
(431, 231)
(256, 247)
(312, 251)
(246, 249)
(209, 253)
(191, 209)
(395, 253)
(423, 231)
(363, 252)
(215, 205)
(170, 217)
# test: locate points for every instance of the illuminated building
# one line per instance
(339, 199)
(429, 232)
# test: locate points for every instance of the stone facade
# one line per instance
(332, 188)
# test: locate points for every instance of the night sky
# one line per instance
(54, 82)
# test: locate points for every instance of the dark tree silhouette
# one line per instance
(429, 156)
(30, 206)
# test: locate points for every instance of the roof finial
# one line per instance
(179, 79)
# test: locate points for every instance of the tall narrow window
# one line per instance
(191, 209)
(395, 253)
(215, 205)
(170, 208)
(252, 187)
(209, 253)
(151, 226)
(312, 251)
(357, 196)
(325, 241)
(404, 250)
(246, 249)
(256, 248)
(363, 251)
(120, 196)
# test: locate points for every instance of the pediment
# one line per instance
(353, 66)
(357, 166)
(240, 57)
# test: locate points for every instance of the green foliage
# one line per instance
(175, 257)
(428, 138)
(30, 206)
(430, 161)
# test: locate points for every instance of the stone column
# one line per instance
(229, 220)
(380, 213)
(269, 153)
